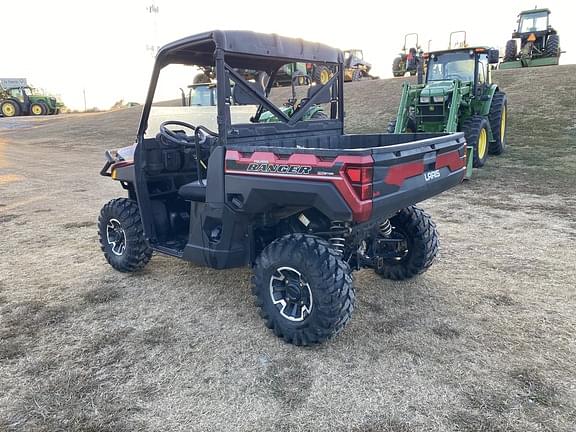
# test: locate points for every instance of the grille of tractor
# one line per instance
(432, 112)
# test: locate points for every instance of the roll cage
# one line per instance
(228, 51)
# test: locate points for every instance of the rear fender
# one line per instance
(487, 103)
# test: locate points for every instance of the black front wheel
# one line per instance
(410, 247)
(475, 129)
(303, 288)
(122, 236)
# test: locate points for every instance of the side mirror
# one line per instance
(493, 56)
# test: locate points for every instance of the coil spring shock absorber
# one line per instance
(385, 228)
(337, 239)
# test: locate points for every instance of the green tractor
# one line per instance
(17, 98)
(457, 95)
(539, 42)
(293, 105)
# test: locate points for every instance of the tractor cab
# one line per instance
(533, 21)
(201, 94)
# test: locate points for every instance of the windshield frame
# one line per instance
(466, 53)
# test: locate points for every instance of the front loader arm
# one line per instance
(402, 117)
(452, 121)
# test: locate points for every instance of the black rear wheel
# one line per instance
(319, 115)
(553, 46)
(498, 120)
(511, 50)
(398, 67)
(122, 236)
(475, 129)
(9, 108)
(321, 75)
(416, 248)
(303, 288)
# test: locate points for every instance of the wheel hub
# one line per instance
(291, 294)
(116, 237)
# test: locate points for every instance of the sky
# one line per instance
(101, 47)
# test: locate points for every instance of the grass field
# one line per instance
(484, 341)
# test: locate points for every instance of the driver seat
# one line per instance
(194, 191)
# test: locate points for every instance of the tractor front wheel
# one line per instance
(38, 109)
(122, 236)
(303, 288)
(498, 118)
(511, 50)
(475, 129)
(410, 126)
(416, 247)
(10, 109)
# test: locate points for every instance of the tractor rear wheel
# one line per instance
(553, 46)
(304, 289)
(398, 69)
(10, 108)
(410, 126)
(417, 247)
(122, 236)
(321, 75)
(319, 115)
(475, 129)
(511, 50)
(498, 119)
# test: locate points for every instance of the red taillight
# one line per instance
(361, 180)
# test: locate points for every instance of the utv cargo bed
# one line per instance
(354, 177)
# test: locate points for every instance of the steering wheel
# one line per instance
(174, 137)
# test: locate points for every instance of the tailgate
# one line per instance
(406, 174)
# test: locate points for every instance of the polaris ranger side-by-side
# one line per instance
(298, 200)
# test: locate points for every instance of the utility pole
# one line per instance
(153, 10)
(84, 92)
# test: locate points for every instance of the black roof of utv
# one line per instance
(199, 49)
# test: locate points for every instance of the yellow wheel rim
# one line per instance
(8, 110)
(503, 124)
(482, 140)
(36, 109)
(324, 76)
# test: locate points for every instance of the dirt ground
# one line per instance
(484, 341)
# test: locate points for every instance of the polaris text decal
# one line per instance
(279, 169)
(431, 175)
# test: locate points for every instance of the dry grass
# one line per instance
(484, 341)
